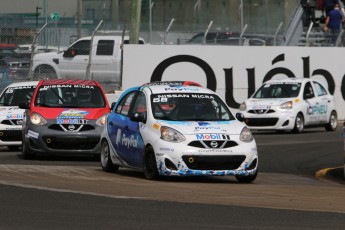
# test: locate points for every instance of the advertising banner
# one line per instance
(235, 72)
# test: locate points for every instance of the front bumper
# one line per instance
(276, 121)
(241, 160)
(53, 139)
(10, 135)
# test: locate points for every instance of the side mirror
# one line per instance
(240, 117)
(308, 96)
(112, 105)
(24, 105)
(138, 117)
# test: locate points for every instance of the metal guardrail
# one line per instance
(293, 26)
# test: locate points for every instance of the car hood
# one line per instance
(265, 103)
(11, 112)
(71, 113)
(193, 127)
(45, 56)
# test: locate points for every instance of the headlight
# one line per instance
(171, 135)
(286, 105)
(243, 106)
(246, 135)
(37, 119)
(101, 120)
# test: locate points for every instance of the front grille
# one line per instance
(66, 128)
(261, 111)
(213, 144)
(12, 122)
(261, 121)
(213, 162)
(71, 142)
(11, 135)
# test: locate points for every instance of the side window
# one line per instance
(105, 47)
(308, 91)
(81, 48)
(140, 104)
(320, 90)
(125, 104)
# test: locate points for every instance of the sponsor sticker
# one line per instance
(33, 134)
(72, 116)
(127, 141)
(317, 110)
(212, 136)
(71, 121)
(156, 126)
(166, 149)
(261, 107)
(15, 116)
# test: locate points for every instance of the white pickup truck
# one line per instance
(105, 63)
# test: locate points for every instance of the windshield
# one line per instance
(278, 90)
(189, 107)
(70, 96)
(13, 96)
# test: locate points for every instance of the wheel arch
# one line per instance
(46, 66)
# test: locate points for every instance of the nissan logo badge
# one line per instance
(71, 127)
(214, 144)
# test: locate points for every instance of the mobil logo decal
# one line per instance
(209, 136)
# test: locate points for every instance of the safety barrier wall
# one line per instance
(235, 72)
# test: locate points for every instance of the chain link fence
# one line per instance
(50, 53)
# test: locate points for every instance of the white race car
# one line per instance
(11, 116)
(177, 130)
(290, 104)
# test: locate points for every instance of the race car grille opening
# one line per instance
(253, 164)
(11, 135)
(213, 162)
(12, 122)
(170, 165)
(82, 143)
(261, 121)
(261, 111)
(213, 144)
(67, 127)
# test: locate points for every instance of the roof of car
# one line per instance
(23, 83)
(178, 89)
(290, 80)
(69, 82)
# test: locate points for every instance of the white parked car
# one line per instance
(290, 104)
(177, 130)
(11, 116)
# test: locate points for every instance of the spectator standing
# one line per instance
(309, 7)
(328, 5)
(333, 23)
(312, 7)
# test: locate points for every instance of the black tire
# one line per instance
(13, 147)
(44, 72)
(150, 165)
(333, 122)
(247, 179)
(106, 163)
(26, 152)
(299, 123)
